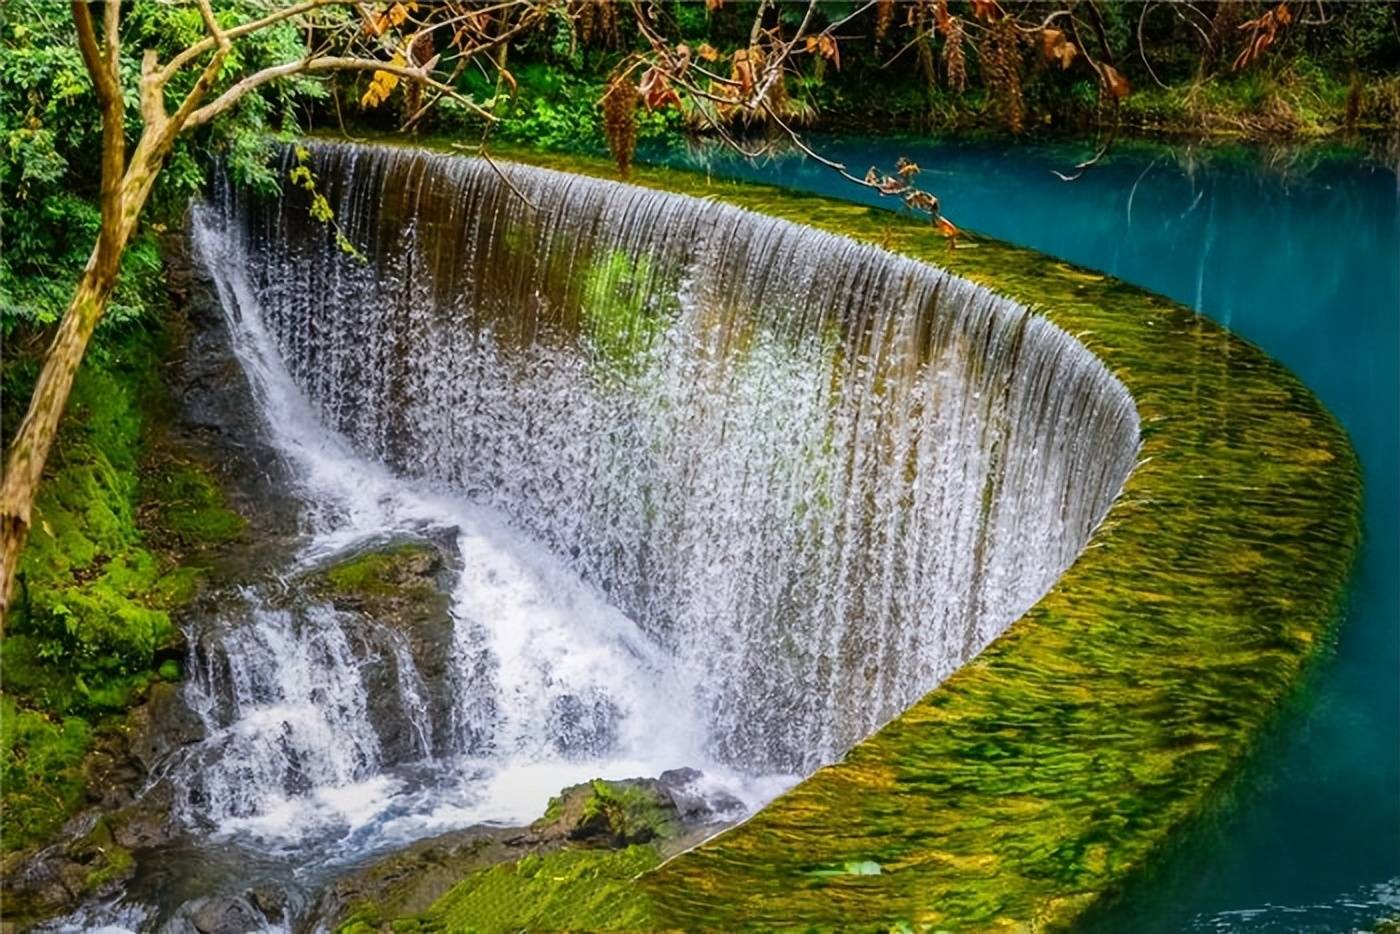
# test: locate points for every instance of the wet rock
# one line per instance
(148, 821)
(90, 863)
(400, 589)
(272, 903)
(224, 914)
(162, 725)
(218, 415)
(697, 805)
(610, 813)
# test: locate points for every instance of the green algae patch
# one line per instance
(577, 889)
(1034, 783)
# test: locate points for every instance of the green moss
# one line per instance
(116, 863)
(117, 528)
(40, 770)
(191, 505)
(577, 889)
(382, 573)
(1057, 764)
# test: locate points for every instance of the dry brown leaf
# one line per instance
(1117, 85)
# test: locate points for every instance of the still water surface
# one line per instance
(1302, 257)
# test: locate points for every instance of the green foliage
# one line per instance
(40, 771)
(882, 85)
(50, 138)
(556, 107)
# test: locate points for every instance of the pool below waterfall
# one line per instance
(1296, 253)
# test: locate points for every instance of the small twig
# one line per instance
(1084, 166)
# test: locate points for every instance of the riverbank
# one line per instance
(553, 106)
(128, 523)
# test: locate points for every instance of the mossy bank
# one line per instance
(125, 527)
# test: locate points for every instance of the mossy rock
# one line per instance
(611, 813)
(125, 529)
(404, 571)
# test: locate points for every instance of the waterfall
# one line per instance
(725, 490)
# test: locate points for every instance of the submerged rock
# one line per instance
(699, 806)
(225, 914)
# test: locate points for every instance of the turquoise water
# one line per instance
(1301, 257)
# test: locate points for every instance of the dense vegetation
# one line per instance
(121, 522)
(1233, 68)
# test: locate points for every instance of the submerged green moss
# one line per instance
(576, 889)
(617, 306)
(1044, 774)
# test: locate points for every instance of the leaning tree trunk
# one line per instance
(29, 449)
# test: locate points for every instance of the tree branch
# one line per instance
(209, 43)
(106, 81)
(327, 63)
(209, 75)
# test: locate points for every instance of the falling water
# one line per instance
(725, 491)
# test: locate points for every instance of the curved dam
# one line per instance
(816, 476)
(727, 490)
